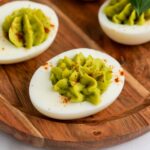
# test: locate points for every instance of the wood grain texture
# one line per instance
(127, 118)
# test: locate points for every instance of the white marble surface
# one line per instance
(9, 143)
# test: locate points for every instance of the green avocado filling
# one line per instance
(81, 78)
(123, 12)
(26, 27)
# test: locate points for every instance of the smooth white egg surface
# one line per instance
(11, 54)
(51, 104)
(125, 34)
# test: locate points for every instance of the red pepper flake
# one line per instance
(117, 80)
(46, 30)
(121, 72)
(105, 60)
(65, 100)
(19, 36)
(45, 67)
(52, 25)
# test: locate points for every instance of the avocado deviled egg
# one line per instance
(76, 84)
(126, 21)
(26, 30)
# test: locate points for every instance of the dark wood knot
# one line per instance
(97, 133)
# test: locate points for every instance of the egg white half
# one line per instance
(49, 102)
(11, 54)
(125, 34)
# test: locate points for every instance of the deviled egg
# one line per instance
(26, 30)
(120, 21)
(76, 84)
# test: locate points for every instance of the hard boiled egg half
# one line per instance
(10, 53)
(52, 104)
(123, 33)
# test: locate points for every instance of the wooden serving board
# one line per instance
(127, 118)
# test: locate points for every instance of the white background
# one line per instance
(9, 143)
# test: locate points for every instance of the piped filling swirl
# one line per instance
(26, 27)
(81, 78)
(123, 12)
